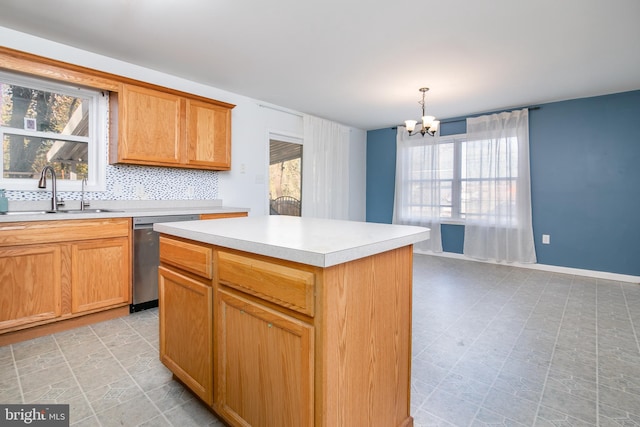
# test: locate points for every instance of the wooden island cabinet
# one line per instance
(287, 324)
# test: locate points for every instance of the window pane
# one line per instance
(43, 111)
(432, 199)
(446, 199)
(487, 198)
(498, 159)
(285, 177)
(24, 157)
(445, 160)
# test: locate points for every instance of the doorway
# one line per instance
(285, 178)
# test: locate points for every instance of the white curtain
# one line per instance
(496, 188)
(325, 160)
(418, 192)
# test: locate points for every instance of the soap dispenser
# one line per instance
(4, 202)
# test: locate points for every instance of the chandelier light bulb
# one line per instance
(426, 121)
(411, 125)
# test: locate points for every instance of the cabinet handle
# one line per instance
(270, 325)
(241, 311)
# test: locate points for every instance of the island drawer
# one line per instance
(281, 284)
(197, 259)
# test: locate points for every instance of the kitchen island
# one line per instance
(288, 321)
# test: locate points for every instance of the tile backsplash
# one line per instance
(129, 182)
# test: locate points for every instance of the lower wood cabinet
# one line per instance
(58, 270)
(265, 365)
(31, 285)
(186, 331)
(99, 274)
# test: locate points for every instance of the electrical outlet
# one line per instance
(117, 189)
(190, 192)
(546, 239)
(140, 193)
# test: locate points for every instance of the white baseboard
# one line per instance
(545, 267)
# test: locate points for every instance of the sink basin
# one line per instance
(78, 211)
(66, 211)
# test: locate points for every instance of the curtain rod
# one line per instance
(463, 119)
(282, 110)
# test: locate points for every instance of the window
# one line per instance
(489, 173)
(45, 123)
(447, 178)
(285, 177)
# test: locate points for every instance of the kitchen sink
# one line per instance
(79, 211)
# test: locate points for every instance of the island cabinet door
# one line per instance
(264, 373)
(186, 330)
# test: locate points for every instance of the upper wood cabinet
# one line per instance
(208, 137)
(146, 127)
(162, 128)
(148, 124)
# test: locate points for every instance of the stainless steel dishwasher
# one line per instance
(146, 258)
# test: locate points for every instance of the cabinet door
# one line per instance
(99, 274)
(264, 368)
(30, 285)
(186, 330)
(151, 129)
(208, 135)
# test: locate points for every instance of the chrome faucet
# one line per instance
(84, 204)
(42, 183)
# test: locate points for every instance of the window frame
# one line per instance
(457, 183)
(456, 140)
(96, 141)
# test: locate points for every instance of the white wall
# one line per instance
(245, 185)
(358, 175)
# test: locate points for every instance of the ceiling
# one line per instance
(358, 62)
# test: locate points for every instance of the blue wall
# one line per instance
(381, 174)
(585, 182)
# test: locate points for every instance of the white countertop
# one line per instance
(311, 241)
(117, 209)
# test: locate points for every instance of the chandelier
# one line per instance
(429, 123)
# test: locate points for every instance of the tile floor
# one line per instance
(492, 345)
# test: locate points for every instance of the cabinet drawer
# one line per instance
(197, 259)
(57, 231)
(286, 286)
(223, 215)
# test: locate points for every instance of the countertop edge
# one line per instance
(121, 213)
